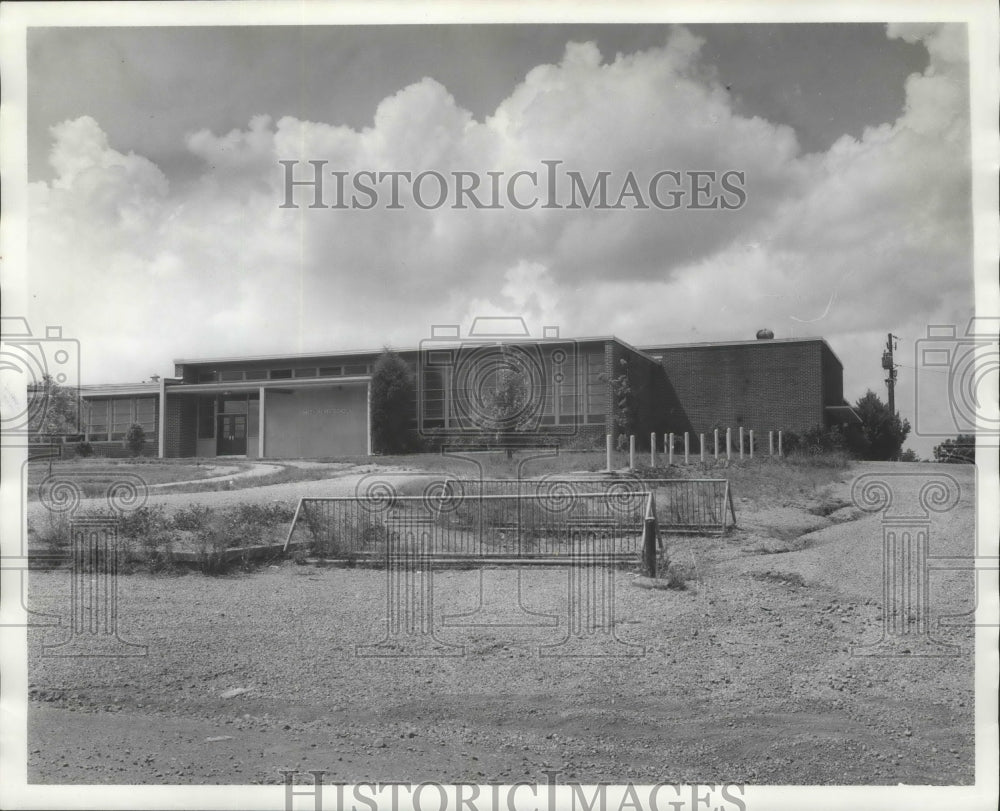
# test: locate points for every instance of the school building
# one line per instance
(577, 391)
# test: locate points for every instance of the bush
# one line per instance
(84, 449)
(677, 575)
(392, 404)
(135, 439)
(192, 518)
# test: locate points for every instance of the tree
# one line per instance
(393, 402)
(506, 403)
(960, 450)
(135, 438)
(624, 403)
(883, 432)
(53, 410)
(909, 455)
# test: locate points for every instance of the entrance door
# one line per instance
(232, 436)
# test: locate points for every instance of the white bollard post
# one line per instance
(715, 433)
(729, 443)
(751, 443)
(687, 448)
(780, 453)
(701, 446)
(668, 440)
(608, 448)
(652, 450)
(741, 443)
(631, 451)
(770, 442)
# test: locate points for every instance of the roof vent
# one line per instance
(764, 334)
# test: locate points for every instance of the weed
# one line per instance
(677, 575)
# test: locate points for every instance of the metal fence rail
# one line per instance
(694, 506)
(446, 523)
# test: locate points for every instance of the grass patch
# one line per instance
(767, 481)
(286, 474)
(93, 476)
(493, 464)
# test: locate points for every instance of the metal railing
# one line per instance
(690, 506)
(445, 523)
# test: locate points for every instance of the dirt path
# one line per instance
(748, 675)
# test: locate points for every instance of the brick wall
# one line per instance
(763, 386)
(833, 378)
(181, 426)
(650, 389)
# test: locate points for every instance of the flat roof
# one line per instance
(267, 385)
(110, 389)
(748, 342)
(755, 341)
(427, 344)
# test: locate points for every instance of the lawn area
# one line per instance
(94, 475)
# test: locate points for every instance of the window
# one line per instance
(230, 376)
(331, 371)
(97, 420)
(206, 418)
(356, 369)
(121, 418)
(234, 405)
(433, 393)
(311, 372)
(145, 414)
(281, 374)
(256, 374)
(597, 387)
(207, 377)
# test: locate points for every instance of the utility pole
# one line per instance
(889, 365)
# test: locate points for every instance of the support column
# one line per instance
(161, 428)
(260, 423)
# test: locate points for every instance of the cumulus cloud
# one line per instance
(872, 235)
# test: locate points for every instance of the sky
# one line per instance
(156, 232)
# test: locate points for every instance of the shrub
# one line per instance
(84, 449)
(677, 575)
(192, 518)
(135, 439)
(392, 403)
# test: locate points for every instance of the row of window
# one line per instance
(106, 420)
(236, 375)
(569, 396)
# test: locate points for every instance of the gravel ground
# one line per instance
(747, 675)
